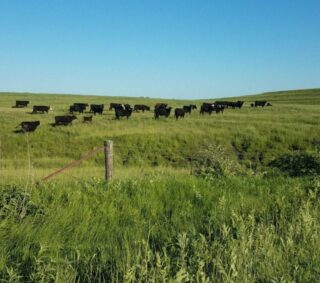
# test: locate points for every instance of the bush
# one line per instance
(214, 162)
(299, 164)
(15, 202)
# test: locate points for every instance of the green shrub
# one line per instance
(299, 164)
(15, 202)
(214, 162)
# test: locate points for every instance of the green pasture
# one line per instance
(234, 219)
(253, 136)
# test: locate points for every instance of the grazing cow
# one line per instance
(261, 103)
(87, 119)
(141, 107)
(123, 112)
(21, 103)
(223, 103)
(97, 108)
(40, 108)
(160, 105)
(206, 108)
(179, 112)
(82, 105)
(238, 104)
(29, 126)
(218, 109)
(189, 108)
(64, 120)
(114, 105)
(162, 111)
(76, 108)
(227, 104)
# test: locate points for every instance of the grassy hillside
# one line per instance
(309, 96)
(251, 136)
(235, 219)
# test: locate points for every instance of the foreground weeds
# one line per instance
(234, 229)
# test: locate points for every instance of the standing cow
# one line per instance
(21, 103)
(206, 108)
(141, 107)
(189, 108)
(162, 111)
(64, 120)
(123, 112)
(40, 109)
(179, 112)
(261, 103)
(97, 108)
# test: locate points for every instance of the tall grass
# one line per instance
(236, 229)
(233, 220)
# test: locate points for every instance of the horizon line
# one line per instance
(148, 97)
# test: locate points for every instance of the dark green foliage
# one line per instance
(299, 164)
(214, 162)
(16, 203)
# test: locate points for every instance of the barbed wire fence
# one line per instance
(188, 157)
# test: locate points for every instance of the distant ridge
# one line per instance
(305, 96)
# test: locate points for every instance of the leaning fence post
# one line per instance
(108, 159)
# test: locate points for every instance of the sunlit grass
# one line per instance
(155, 222)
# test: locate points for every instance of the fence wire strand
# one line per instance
(194, 155)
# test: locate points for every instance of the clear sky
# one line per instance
(159, 48)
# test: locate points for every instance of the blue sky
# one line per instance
(159, 48)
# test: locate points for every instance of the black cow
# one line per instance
(114, 105)
(238, 104)
(97, 108)
(87, 119)
(179, 112)
(21, 103)
(206, 108)
(218, 108)
(123, 112)
(189, 108)
(76, 108)
(160, 105)
(162, 111)
(64, 120)
(40, 108)
(141, 107)
(261, 103)
(227, 104)
(29, 126)
(82, 105)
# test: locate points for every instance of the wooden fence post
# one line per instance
(108, 159)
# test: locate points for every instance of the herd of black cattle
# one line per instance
(125, 110)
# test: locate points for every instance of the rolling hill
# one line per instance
(193, 200)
